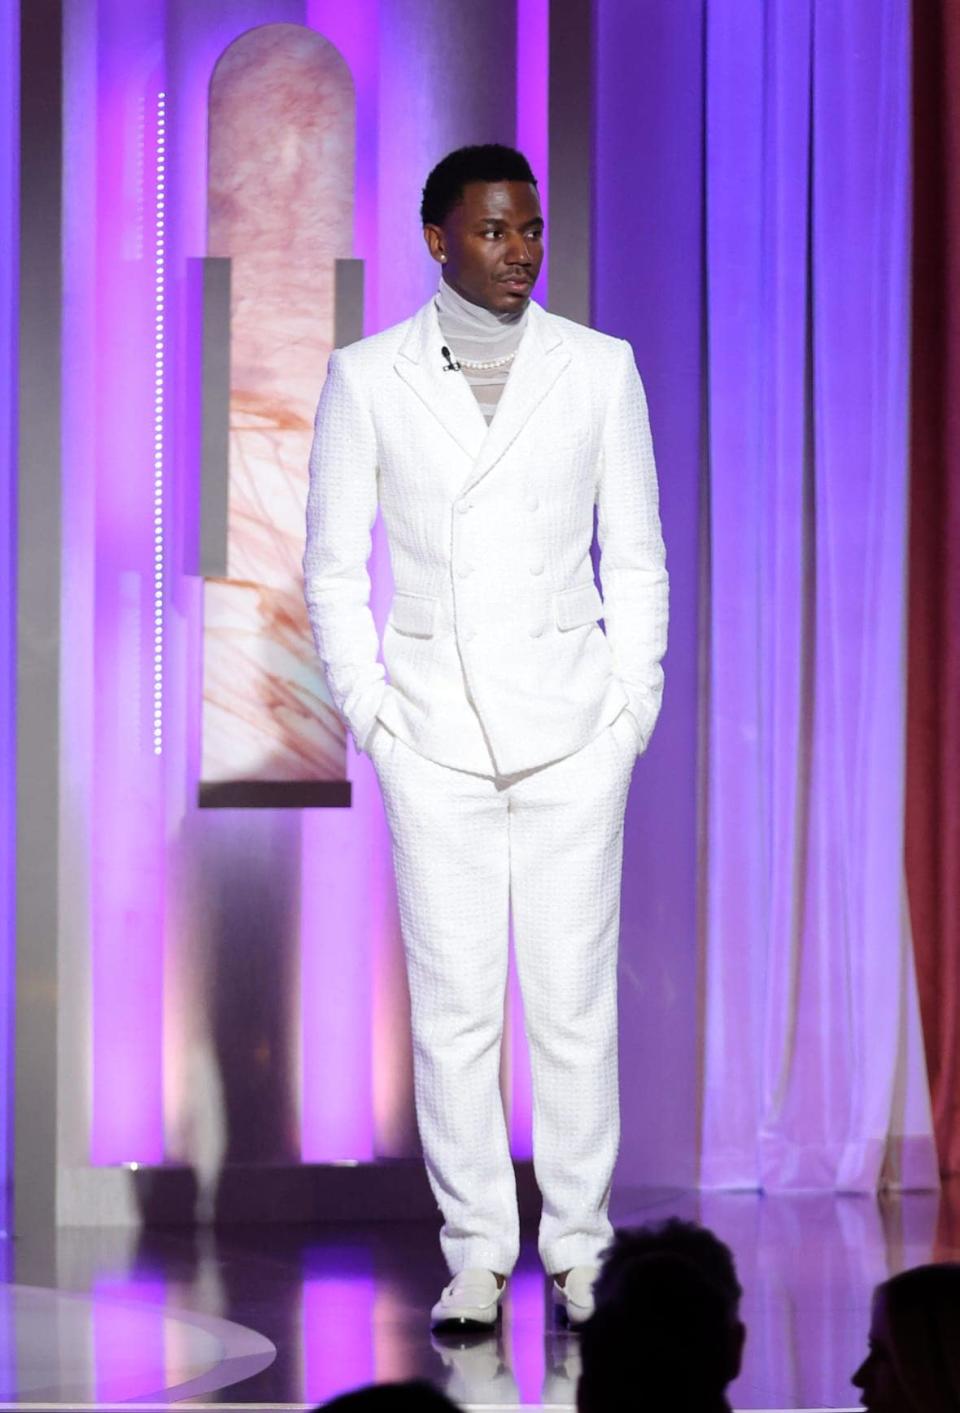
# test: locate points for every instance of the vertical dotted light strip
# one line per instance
(159, 286)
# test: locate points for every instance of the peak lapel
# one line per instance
(541, 358)
(446, 394)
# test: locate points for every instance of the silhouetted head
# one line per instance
(662, 1339)
(414, 1396)
(483, 224)
(667, 1320)
(913, 1362)
(695, 1243)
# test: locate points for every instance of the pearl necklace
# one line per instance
(489, 363)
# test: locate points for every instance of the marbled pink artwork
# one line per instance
(281, 727)
(280, 205)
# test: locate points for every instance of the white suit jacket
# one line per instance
(494, 656)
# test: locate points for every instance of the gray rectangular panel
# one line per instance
(213, 273)
(571, 187)
(348, 302)
(38, 621)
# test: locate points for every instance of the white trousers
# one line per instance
(546, 843)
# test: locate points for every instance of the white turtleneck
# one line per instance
(479, 335)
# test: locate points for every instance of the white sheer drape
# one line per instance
(813, 1068)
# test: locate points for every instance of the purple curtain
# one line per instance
(813, 1068)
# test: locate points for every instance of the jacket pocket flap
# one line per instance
(413, 613)
(579, 605)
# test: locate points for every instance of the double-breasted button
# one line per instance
(463, 506)
(537, 568)
(532, 500)
(469, 634)
(464, 570)
(536, 630)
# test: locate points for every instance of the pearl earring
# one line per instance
(443, 259)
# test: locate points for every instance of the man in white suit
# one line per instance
(505, 734)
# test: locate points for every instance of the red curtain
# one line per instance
(933, 731)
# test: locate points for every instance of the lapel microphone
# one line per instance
(451, 365)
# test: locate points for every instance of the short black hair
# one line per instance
(665, 1333)
(411, 1396)
(674, 1237)
(922, 1334)
(488, 162)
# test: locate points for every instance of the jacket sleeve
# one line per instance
(341, 509)
(633, 571)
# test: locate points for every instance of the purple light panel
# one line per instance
(332, 1361)
(533, 107)
(346, 894)
(120, 251)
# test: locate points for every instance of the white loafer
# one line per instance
(574, 1298)
(472, 1299)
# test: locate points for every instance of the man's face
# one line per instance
(493, 243)
(877, 1376)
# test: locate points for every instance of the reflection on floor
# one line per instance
(109, 1350)
(291, 1316)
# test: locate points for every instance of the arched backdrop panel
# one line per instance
(281, 183)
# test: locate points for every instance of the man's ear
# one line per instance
(433, 235)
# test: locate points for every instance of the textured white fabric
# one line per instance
(475, 332)
(547, 843)
(487, 385)
(472, 332)
(495, 660)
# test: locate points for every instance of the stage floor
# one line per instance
(289, 1316)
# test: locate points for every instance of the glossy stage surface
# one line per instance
(288, 1317)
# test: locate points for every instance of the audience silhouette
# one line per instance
(412, 1396)
(913, 1363)
(666, 1332)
